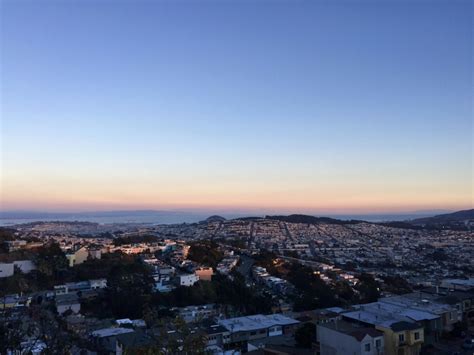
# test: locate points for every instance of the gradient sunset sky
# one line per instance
(314, 106)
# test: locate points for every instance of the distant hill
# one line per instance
(461, 220)
(458, 216)
(457, 220)
(301, 218)
(248, 219)
(214, 218)
(400, 224)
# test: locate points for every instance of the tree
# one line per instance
(11, 335)
(205, 252)
(368, 288)
(134, 239)
(221, 290)
(344, 291)
(396, 284)
(51, 260)
(129, 289)
(182, 340)
(305, 335)
(314, 292)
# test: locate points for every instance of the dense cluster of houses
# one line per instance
(278, 285)
(398, 324)
(228, 264)
(395, 325)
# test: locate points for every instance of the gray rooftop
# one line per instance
(108, 332)
(258, 321)
(418, 301)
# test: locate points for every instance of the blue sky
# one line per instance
(290, 105)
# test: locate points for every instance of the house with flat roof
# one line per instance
(458, 284)
(107, 339)
(68, 302)
(402, 336)
(341, 337)
(431, 322)
(243, 329)
(417, 301)
(217, 337)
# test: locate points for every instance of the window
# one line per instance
(253, 333)
(367, 347)
(378, 343)
(401, 338)
(417, 335)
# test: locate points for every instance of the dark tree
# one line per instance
(368, 288)
(129, 289)
(305, 335)
(50, 262)
(205, 252)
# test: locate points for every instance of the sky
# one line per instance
(299, 106)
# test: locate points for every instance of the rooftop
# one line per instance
(353, 329)
(108, 332)
(462, 282)
(258, 321)
(399, 311)
(417, 301)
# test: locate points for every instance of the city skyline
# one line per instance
(340, 107)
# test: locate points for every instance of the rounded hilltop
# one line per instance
(214, 218)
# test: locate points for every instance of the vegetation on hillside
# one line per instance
(135, 239)
(205, 252)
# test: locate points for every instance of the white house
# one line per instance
(98, 283)
(25, 265)
(67, 302)
(188, 279)
(6, 269)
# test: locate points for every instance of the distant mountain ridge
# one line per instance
(460, 220)
(455, 216)
(301, 218)
(456, 220)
